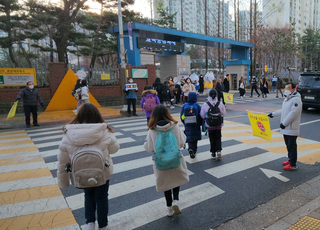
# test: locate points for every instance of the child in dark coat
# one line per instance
(192, 120)
(149, 100)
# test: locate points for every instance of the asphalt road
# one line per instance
(217, 192)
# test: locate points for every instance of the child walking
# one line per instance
(81, 93)
(88, 128)
(213, 113)
(165, 138)
(149, 100)
(192, 120)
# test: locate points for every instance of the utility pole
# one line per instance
(206, 31)
(235, 19)
(181, 15)
(219, 54)
(255, 36)
(122, 54)
(151, 11)
(238, 20)
(250, 34)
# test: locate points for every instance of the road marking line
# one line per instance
(9, 147)
(14, 143)
(133, 124)
(143, 127)
(151, 211)
(32, 207)
(44, 180)
(18, 150)
(27, 174)
(14, 137)
(44, 130)
(26, 166)
(311, 158)
(56, 219)
(20, 160)
(301, 147)
(117, 190)
(22, 195)
(12, 133)
(21, 154)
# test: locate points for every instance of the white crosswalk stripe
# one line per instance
(133, 160)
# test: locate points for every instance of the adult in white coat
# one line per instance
(169, 180)
(88, 128)
(290, 123)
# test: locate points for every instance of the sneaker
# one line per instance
(241, 97)
(28, 126)
(36, 124)
(289, 167)
(213, 155)
(104, 228)
(75, 112)
(91, 226)
(219, 155)
(192, 155)
(259, 95)
(250, 96)
(277, 97)
(285, 163)
(135, 114)
(175, 207)
(171, 107)
(170, 211)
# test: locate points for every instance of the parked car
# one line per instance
(309, 88)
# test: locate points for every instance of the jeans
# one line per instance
(168, 195)
(28, 109)
(96, 198)
(273, 88)
(291, 143)
(193, 145)
(215, 140)
(133, 102)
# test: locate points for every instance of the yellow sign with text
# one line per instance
(260, 125)
(105, 76)
(228, 98)
(17, 76)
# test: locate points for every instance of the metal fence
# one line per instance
(94, 76)
(42, 78)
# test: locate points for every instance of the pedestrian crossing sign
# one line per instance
(228, 98)
(260, 125)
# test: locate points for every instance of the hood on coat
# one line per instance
(85, 134)
(192, 97)
(213, 101)
(164, 126)
(149, 91)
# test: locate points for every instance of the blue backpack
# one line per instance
(190, 113)
(167, 154)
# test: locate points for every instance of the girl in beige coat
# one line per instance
(169, 180)
(187, 88)
(88, 128)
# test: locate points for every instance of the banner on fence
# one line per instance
(105, 76)
(139, 73)
(260, 125)
(17, 76)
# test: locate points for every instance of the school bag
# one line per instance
(190, 113)
(88, 167)
(165, 93)
(77, 94)
(213, 117)
(149, 103)
(167, 154)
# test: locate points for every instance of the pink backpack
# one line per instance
(149, 103)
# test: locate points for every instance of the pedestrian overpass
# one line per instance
(171, 44)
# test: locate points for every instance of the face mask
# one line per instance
(131, 81)
(287, 93)
(31, 86)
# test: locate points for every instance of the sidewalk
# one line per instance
(296, 209)
(56, 117)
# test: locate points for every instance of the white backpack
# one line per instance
(89, 168)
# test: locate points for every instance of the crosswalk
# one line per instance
(29, 194)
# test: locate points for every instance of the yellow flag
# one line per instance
(12, 111)
(228, 98)
(260, 125)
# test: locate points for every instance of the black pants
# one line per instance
(242, 92)
(220, 96)
(291, 143)
(215, 140)
(254, 87)
(168, 195)
(133, 102)
(193, 145)
(177, 96)
(31, 109)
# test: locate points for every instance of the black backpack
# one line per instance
(165, 93)
(213, 117)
